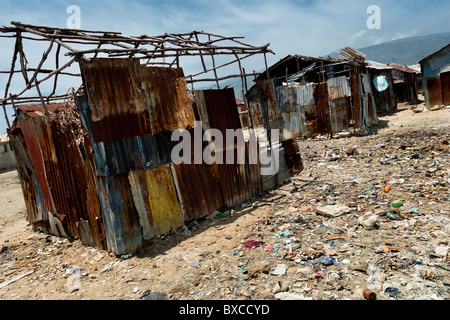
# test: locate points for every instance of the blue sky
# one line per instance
(309, 27)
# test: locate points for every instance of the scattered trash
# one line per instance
(387, 187)
(147, 295)
(374, 280)
(397, 203)
(291, 296)
(223, 215)
(393, 292)
(74, 278)
(4, 284)
(127, 256)
(252, 244)
(327, 261)
(369, 295)
(368, 221)
(5, 247)
(279, 270)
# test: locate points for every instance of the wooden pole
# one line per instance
(6, 115)
(42, 99)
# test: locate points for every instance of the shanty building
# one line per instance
(436, 77)
(307, 96)
(96, 164)
(406, 82)
(382, 83)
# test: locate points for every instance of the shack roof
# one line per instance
(293, 64)
(402, 68)
(378, 65)
(432, 54)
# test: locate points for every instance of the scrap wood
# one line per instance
(15, 279)
(394, 249)
(336, 237)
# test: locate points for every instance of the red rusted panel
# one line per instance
(321, 98)
(30, 136)
(68, 175)
(199, 190)
(33, 200)
(356, 83)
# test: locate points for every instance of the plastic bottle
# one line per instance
(74, 279)
(374, 280)
(397, 203)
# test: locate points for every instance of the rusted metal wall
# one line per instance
(127, 100)
(117, 187)
(317, 108)
(57, 178)
(292, 113)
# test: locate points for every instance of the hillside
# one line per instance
(407, 51)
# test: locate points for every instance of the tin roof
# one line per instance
(378, 65)
(402, 68)
(432, 54)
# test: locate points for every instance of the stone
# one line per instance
(333, 211)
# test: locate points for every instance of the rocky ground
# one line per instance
(329, 233)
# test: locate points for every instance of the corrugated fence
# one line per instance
(117, 186)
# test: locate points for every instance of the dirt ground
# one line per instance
(298, 252)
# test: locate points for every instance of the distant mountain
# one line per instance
(407, 51)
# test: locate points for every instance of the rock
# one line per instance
(333, 211)
(435, 108)
(442, 251)
(368, 221)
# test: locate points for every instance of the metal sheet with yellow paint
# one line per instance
(164, 203)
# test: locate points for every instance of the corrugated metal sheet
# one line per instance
(321, 98)
(122, 229)
(339, 114)
(338, 88)
(169, 105)
(66, 175)
(118, 106)
(445, 88)
(292, 113)
(434, 91)
(34, 200)
(305, 95)
(218, 110)
(378, 65)
(351, 54)
(205, 195)
(164, 204)
(126, 100)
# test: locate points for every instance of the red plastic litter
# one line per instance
(253, 244)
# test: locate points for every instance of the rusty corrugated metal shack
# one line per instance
(406, 83)
(97, 166)
(436, 77)
(307, 96)
(384, 97)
